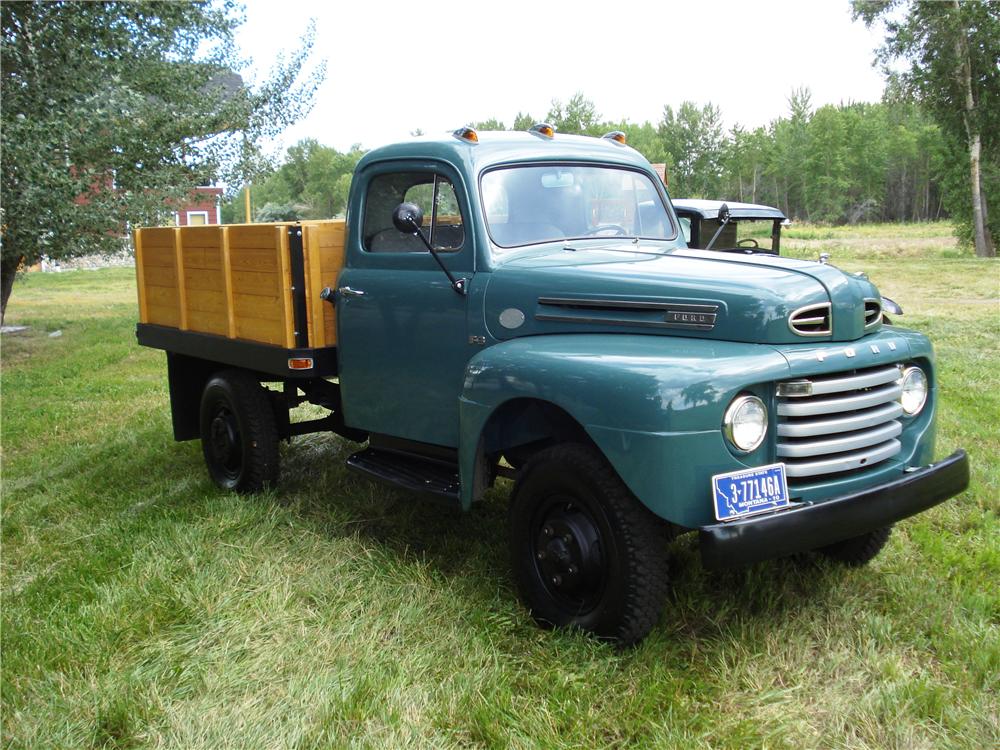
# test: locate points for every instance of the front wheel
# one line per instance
(585, 553)
(858, 550)
(239, 437)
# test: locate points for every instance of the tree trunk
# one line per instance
(984, 242)
(8, 272)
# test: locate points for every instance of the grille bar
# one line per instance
(843, 442)
(867, 379)
(808, 407)
(845, 461)
(866, 418)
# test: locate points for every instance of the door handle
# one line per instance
(346, 291)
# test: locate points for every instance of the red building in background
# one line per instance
(201, 208)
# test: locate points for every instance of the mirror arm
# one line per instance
(457, 284)
(724, 208)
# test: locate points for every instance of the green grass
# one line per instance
(143, 608)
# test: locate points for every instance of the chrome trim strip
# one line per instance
(804, 408)
(847, 442)
(875, 416)
(619, 322)
(845, 462)
(626, 304)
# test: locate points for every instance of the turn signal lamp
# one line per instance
(467, 134)
(617, 136)
(300, 363)
(543, 129)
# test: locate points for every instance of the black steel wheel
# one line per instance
(239, 437)
(585, 553)
(858, 550)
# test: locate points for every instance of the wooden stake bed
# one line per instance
(253, 283)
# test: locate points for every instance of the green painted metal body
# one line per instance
(419, 361)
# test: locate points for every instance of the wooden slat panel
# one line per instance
(257, 307)
(140, 279)
(253, 259)
(259, 236)
(217, 323)
(159, 275)
(181, 289)
(227, 279)
(205, 279)
(162, 296)
(332, 241)
(204, 301)
(252, 282)
(265, 331)
(164, 316)
(208, 258)
(281, 237)
(314, 285)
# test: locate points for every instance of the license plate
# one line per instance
(743, 493)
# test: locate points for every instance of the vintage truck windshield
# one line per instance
(542, 203)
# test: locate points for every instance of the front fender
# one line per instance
(652, 404)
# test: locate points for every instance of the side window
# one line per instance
(443, 224)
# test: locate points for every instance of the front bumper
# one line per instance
(726, 545)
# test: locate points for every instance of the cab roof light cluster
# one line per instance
(617, 136)
(543, 129)
(467, 134)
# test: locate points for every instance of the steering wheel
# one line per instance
(748, 242)
(617, 230)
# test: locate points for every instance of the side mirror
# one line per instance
(407, 218)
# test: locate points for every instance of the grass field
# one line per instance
(143, 608)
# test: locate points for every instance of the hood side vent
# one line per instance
(873, 313)
(687, 316)
(812, 320)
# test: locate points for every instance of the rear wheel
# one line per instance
(239, 437)
(858, 550)
(585, 553)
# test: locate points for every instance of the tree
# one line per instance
(111, 109)
(693, 140)
(952, 49)
(579, 116)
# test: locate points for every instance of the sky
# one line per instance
(395, 67)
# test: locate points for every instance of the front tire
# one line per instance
(585, 553)
(858, 550)
(239, 436)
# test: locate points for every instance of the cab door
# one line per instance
(402, 332)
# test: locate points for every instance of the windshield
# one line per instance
(542, 203)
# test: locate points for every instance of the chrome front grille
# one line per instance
(839, 423)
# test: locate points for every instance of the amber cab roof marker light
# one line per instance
(543, 129)
(617, 136)
(467, 134)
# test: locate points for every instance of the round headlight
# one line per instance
(914, 394)
(745, 423)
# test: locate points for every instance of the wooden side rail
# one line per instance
(238, 280)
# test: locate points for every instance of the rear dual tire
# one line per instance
(239, 435)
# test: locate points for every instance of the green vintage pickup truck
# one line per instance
(525, 305)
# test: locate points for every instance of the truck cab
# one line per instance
(529, 306)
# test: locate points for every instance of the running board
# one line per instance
(408, 472)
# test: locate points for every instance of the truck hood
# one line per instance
(638, 289)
